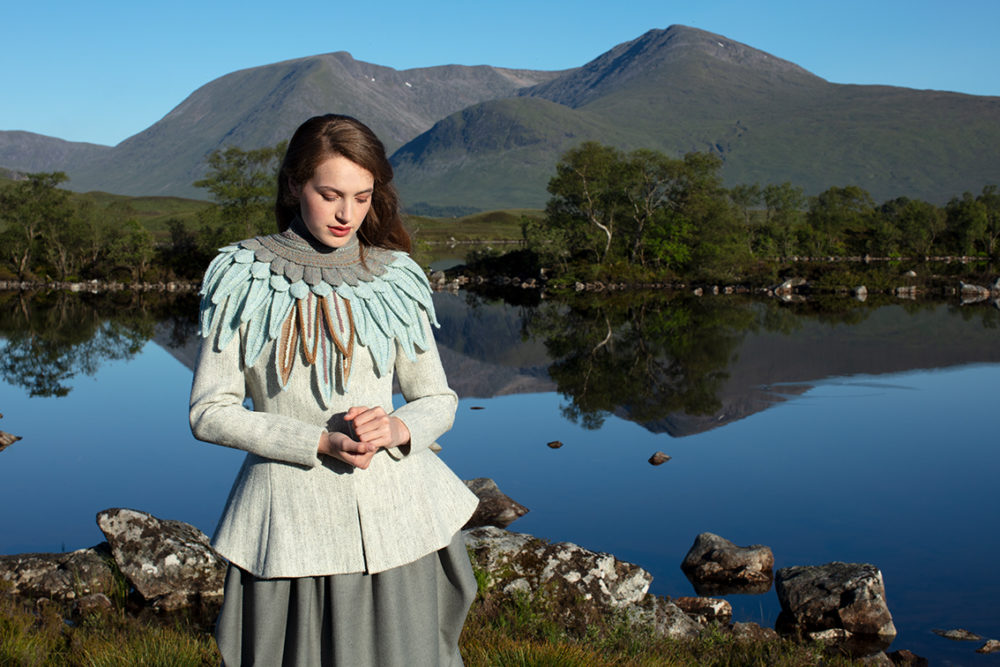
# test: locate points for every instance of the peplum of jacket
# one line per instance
(306, 332)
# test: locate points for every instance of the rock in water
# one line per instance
(716, 566)
(495, 507)
(659, 458)
(850, 596)
(6, 440)
(958, 635)
(907, 658)
(991, 646)
(170, 563)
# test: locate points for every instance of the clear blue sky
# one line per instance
(104, 70)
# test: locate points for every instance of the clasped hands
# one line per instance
(373, 428)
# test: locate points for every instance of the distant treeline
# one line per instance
(46, 233)
(643, 212)
(611, 214)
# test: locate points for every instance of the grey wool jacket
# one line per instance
(306, 332)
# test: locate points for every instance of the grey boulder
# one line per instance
(63, 576)
(495, 507)
(170, 563)
(716, 566)
(847, 596)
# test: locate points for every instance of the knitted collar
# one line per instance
(317, 304)
(297, 255)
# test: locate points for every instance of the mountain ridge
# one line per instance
(487, 137)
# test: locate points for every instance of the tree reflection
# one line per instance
(49, 338)
(643, 355)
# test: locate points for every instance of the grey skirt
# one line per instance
(410, 615)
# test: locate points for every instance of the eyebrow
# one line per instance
(328, 188)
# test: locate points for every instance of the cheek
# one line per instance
(311, 207)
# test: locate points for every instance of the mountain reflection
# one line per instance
(645, 357)
(681, 364)
(51, 337)
(670, 361)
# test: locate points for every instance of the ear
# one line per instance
(294, 188)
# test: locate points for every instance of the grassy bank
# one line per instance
(501, 631)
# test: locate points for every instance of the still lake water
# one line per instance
(827, 431)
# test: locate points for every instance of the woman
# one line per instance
(342, 528)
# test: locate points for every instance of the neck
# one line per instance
(298, 228)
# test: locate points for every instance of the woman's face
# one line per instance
(334, 202)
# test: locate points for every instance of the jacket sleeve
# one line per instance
(430, 405)
(217, 413)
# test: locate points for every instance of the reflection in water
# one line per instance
(684, 365)
(672, 362)
(645, 357)
(50, 337)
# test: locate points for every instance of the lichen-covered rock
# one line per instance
(753, 632)
(170, 563)
(663, 617)
(716, 566)
(94, 603)
(705, 610)
(495, 507)
(579, 585)
(63, 576)
(836, 595)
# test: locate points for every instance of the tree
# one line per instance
(243, 184)
(718, 249)
(967, 220)
(29, 208)
(746, 199)
(990, 200)
(649, 187)
(132, 248)
(917, 224)
(584, 191)
(783, 206)
(841, 220)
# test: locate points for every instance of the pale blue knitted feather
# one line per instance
(259, 291)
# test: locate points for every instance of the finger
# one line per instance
(368, 415)
(354, 411)
(351, 446)
(373, 426)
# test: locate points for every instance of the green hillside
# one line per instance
(495, 153)
(681, 90)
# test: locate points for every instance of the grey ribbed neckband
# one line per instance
(297, 255)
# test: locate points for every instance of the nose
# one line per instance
(345, 209)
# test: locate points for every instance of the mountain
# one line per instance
(30, 152)
(683, 89)
(262, 106)
(485, 137)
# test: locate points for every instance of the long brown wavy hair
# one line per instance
(323, 137)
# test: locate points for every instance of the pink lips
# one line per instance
(339, 231)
